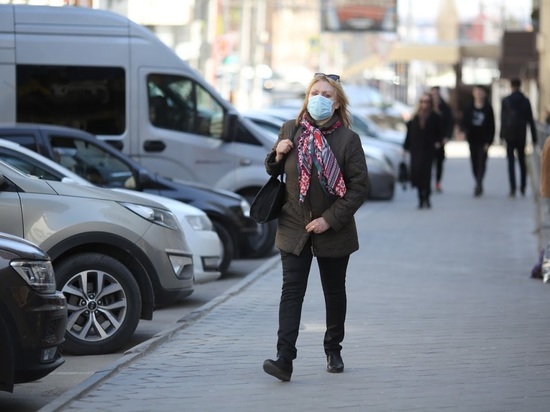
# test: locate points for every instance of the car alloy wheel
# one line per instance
(103, 302)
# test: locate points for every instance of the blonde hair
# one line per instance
(432, 103)
(341, 99)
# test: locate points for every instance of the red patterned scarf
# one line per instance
(313, 149)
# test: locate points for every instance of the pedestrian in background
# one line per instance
(544, 192)
(326, 182)
(444, 110)
(478, 125)
(516, 114)
(424, 137)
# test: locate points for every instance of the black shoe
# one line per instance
(478, 191)
(280, 368)
(512, 194)
(335, 364)
(522, 190)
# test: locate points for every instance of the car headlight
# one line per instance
(38, 274)
(200, 222)
(155, 215)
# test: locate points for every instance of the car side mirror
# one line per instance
(230, 126)
(143, 178)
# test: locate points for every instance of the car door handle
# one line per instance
(245, 162)
(154, 146)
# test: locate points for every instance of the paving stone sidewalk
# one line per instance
(442, 315)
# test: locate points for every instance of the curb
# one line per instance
(144, 348)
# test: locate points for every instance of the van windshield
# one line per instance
(178, 103)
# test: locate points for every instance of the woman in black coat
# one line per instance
(424, 136)
(478, 124)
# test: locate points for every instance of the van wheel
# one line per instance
(103, 302)
(227, 249)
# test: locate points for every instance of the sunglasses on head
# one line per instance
(334, 77)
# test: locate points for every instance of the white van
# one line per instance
(100, 72)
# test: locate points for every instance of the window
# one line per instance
(87, 98)
(27, 141)
(25, 165)
(178, 103)
(92, 163)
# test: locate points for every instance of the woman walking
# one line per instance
(424, 136)
(326, 182)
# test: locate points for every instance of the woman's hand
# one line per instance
(283, 147)
(317, 226)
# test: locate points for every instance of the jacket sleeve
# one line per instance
(545, 170)
(531, 123)
(357, 186)
(466, 121)
(503, 114)
(407, 142)
(271, 166)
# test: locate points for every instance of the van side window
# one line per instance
(178, 103)
(88, 98)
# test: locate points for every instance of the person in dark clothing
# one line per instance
(478, 125)
(326, 183)
(447, 120)
(516, 114)
(424, 137)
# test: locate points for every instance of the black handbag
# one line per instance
(269, 200)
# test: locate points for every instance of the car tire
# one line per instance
(227, 249)
(103, 317)
(262, 244)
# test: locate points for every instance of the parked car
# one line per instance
(271, 118)
(199, 232)
(365, 126)
(116, 256)
(33, 315)
(104, 165)
(382, 172)
(368, 101)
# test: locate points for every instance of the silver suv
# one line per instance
(116, 256)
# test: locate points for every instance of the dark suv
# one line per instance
(104, 165)
(33, 315)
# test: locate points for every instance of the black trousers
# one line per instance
(514, 149)
(478, 158)
(295, 277)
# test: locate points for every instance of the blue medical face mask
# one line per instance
(319, 107)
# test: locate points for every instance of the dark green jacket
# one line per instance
(341, 239)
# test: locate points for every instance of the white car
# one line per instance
(197, 227)
(199, 231)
